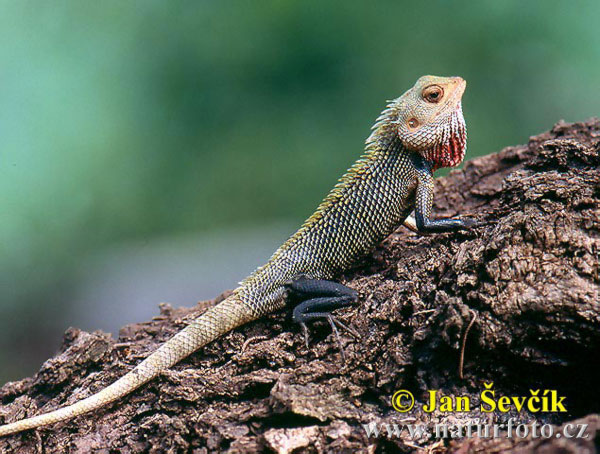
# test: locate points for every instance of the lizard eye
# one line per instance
(433, 94)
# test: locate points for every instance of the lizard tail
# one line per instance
(215, 322)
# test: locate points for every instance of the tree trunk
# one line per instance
(525, 281)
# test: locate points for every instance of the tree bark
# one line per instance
(526, 280)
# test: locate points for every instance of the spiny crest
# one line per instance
(380, 138)
(345, 183)
(382, 135)
(380, 131)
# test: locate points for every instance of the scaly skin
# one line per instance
(417, 133)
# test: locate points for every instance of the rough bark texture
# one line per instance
(528, 275)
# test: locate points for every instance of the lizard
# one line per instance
(417, 133)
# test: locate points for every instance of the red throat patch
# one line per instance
(451, 150)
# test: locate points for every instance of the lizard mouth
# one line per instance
(453, 144)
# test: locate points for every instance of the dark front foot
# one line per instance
(316, 299)
(425, 225)
(424, 202)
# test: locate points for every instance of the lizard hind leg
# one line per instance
(316, 299)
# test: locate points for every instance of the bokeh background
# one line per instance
(159, 151)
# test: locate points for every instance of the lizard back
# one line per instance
(370, 201)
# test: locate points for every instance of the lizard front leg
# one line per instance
(424, 202)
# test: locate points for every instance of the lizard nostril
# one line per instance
(413, 123)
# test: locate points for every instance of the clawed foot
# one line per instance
(316, 299)
(470, 223)
(333, 321)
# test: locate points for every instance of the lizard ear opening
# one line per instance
(413, 123)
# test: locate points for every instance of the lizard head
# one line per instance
(429, 120)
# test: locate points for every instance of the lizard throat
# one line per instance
(453, 144)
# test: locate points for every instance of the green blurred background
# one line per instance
(159, 151)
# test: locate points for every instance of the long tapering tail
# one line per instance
(215, 322)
